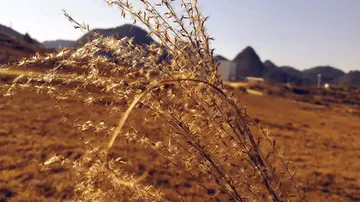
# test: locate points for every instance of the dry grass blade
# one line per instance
(123, 119)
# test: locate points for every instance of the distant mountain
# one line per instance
(14, 46)
(270, 65)
(351, 78)
(26, 37)
(295, 76)
(58, 43)
(220, 58)
(273, 73)
(127, 30)
(12, 49)
(248, 63)
(284, 74)
(328, 74)
(291, 71)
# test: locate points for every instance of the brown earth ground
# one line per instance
(321, 140)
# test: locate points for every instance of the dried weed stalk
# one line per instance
(198, 129)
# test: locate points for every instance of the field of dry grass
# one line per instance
(321, 142)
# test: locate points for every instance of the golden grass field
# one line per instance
(321, 141)
(116, 121)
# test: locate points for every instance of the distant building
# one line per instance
(254, 79)
(227, 70)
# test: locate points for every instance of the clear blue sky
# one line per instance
(298, 33)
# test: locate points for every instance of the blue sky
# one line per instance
(298, 33)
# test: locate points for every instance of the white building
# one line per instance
(227, 70)
(254, 79)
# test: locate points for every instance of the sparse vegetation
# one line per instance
(176, 109)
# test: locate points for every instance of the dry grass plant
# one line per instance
(198, 128)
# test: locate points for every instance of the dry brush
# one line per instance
(197, 128)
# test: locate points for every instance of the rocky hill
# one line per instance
(12, 49)
(127, 30)
(291, 71)
(351, 78)
(328, 74)
(220, 58)
(248, 63)
(20, 37)
(14, 45)
(273, 73)
(284, 74)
